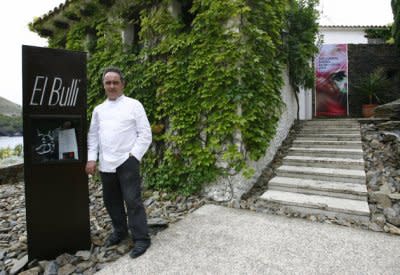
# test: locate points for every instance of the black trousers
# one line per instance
(125, 186)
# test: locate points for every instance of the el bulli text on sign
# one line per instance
(54, 91)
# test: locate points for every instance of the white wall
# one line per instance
(305, 104)
(343, 35)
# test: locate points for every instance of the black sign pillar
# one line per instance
(54, 123)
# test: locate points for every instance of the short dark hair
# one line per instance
(114, 70)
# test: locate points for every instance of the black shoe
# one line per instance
(114, 239)
(139, 248)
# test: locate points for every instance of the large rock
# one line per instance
(380, 199)
(12, 173)
(19, 264)
(391, 126)
(389, 110)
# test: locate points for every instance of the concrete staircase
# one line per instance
(323, 172)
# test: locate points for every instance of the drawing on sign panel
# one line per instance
(47, 144)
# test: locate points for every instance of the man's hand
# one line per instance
(90, 167)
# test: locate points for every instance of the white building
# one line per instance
(346, 34)
(343, 34)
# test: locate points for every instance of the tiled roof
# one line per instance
(353, 26)
(55, 10)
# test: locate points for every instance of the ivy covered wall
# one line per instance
(208, 72)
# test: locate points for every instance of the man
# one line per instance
(120, 135)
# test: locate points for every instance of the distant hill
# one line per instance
(9, 108)
(10, 118)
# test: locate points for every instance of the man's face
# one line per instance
(113, 85)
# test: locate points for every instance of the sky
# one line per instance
(17, 14)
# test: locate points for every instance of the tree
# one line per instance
(384, 33)
(396, 24)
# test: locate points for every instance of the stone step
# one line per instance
(332, 126)
(341, 119)
(340, 122)
(318, 204)
(326, 152)
(307, 143)
(329, 136)
(317, 173)
(319, 187)
(323, 172)
(325, 130)
(344, 163)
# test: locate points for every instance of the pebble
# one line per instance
(393, 229)
(19, 264)
(83, 254)
(67, 269)
(32, 271)
(51, 268)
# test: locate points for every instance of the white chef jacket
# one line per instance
(118, 128)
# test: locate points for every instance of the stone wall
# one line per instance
(12, 173)
(232, 189)
(381, 145)
(363, 59)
